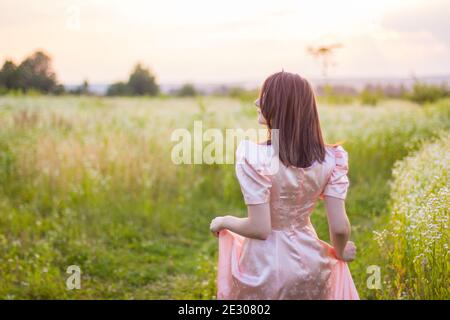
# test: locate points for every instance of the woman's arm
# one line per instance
(257, 225)
(339, 228)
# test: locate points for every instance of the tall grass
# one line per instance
(89, 181)
(375, 139)
(417, 238)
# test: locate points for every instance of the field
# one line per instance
(89, 181)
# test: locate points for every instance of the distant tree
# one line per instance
(36, 72)
(243, 94)
(83, 89)
(59, 89)
(118, 89)
(423, 93)
(9, 77)
(142, 82)
(187, 90)
(371, 95)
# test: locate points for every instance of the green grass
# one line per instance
(416, 238)
(89, 181)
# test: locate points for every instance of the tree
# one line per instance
(9, 77)
(423, 92)
(83, 89)
(118, 89)
(187, 90)
(142, 82)
(35, 72)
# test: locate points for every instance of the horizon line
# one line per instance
(312, 79)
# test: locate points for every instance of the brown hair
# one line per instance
(288, 104)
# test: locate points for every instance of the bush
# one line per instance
(3, 91)
(416, 239)
(334, 95)
(118, 89)
(424, 93)
(371, 97)
(244, 95)
(187, 90)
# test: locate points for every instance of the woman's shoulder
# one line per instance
(337, 153)
(257, 155)
(337, 181)
(336, 160)
(252, 173)
(335, 147)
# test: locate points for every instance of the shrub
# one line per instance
(118, 89)
(371, 97)
(244, 95)
(187, 90)
(425, 93)
(332, 95)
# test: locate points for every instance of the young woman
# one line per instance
(275, 253)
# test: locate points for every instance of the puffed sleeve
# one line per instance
(338, 183)
(255, 185)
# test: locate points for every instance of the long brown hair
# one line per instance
(288, 104)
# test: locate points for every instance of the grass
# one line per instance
(417, 237)
(89, 181)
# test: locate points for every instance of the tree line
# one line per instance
(35, 73)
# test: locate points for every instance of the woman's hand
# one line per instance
(349, 252)
(216, 225)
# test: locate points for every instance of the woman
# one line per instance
(275, 253)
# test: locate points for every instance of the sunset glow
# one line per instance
(209, 41)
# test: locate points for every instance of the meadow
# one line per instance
(89, 181)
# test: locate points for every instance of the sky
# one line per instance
(208, 41)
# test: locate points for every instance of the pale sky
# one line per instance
(228, 41)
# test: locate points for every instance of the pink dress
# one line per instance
(292, 263)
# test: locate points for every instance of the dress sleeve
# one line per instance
(338, 183)
(255, 186)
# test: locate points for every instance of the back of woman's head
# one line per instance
(288, 104)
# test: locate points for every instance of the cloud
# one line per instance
(425, 17)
